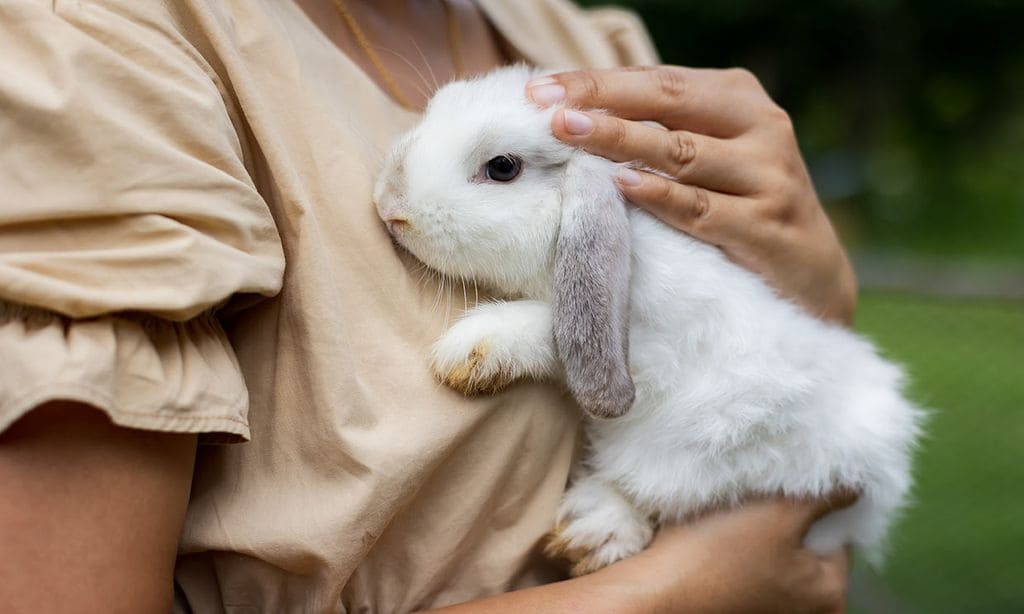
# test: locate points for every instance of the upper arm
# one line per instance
(90, 513)
(127, 214)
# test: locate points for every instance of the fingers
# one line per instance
(721, 103)
(710, 216)
(688, 157)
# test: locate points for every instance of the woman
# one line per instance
(189, 253)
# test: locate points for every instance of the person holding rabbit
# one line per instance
(189, 253)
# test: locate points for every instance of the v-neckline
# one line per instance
(506, 43)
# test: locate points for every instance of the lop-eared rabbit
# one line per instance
(702, 386)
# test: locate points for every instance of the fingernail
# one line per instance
(628, 177)
(546, 94)
(577, 123)
(540, 81)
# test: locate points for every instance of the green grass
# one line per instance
(960, 548)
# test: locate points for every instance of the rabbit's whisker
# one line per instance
(448, 303)
(426, 63)
(425, 273)
(425, 89)
(437, 296)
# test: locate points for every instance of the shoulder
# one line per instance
(559, 33)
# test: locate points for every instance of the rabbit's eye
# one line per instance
(503, 168)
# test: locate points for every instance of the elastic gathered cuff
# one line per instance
(143, 372)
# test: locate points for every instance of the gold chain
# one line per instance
(454, 46)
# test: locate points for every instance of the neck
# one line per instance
(412, 39)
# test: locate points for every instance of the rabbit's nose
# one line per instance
(396, 225)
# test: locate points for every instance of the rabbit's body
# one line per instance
(731, 391)
(741, 392)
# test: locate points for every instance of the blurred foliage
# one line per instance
(910, 112)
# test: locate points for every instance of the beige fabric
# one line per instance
(163, 164)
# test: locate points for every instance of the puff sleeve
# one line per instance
(127, 215)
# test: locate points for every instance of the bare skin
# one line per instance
(91, 512)
(745, 561)
(411, 39)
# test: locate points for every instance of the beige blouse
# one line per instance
(187, 242)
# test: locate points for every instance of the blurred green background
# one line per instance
(911, 118)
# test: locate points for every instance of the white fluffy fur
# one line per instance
(738, 392)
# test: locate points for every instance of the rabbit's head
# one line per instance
(481, 190)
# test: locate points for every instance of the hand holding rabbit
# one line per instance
(749, 560)
(746, 560)
(739, 181)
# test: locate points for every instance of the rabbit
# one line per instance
(702, 386)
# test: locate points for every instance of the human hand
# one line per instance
(737, 178)
(747, 560)
(750, 559)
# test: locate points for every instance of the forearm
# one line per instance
(617, 589)
(745, 560)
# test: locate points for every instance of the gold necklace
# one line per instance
(454, 46)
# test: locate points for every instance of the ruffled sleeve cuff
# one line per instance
(143, 372)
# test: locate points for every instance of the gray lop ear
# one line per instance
(591, 289)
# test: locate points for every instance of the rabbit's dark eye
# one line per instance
(503, 168)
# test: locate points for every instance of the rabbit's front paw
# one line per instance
(494, 345)
(596, 527)
(472, 358)
(470, 366)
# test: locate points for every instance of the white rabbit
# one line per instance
(702, 385)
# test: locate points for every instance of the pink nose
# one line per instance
(396, 225)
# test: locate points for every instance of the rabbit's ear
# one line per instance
(591, 289)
